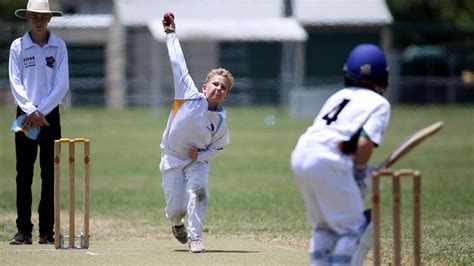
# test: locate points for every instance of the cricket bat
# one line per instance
(410, 143)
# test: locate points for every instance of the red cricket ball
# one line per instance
(167, 18)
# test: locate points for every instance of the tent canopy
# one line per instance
(81, 21)
(139, 12)
(342, 12)
(272, 29)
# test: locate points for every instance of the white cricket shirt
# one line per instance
(190, 122)
(344, 113)
(39, 76)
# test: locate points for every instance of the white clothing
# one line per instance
(186, 192)
(39, 76)
(332, 198)
(325, 174)
(322, 241)
(363, 108)
(365, 243)
(191, 123)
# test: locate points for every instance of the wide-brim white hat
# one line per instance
(37, 6)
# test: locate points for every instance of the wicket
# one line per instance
(396, 199)
(59, 237)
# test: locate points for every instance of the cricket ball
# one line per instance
(167, 18)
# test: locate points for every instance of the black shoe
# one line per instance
(46, 239)
(21, 238)
(180, 233)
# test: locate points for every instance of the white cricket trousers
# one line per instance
(186, 193)
(333, 203)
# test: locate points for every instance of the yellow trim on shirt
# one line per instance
(176, 104)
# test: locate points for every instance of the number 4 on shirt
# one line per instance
(332, 115)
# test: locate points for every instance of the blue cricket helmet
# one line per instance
(367, 62)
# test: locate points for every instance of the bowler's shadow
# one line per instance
(221, 251)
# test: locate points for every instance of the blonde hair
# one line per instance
(221, 72)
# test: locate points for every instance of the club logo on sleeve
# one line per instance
(29, 61)
(50, 61)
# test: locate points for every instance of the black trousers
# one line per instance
(26, 153)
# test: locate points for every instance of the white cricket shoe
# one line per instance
(196, 246)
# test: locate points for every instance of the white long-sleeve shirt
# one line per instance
(39, 76)
(190, 122)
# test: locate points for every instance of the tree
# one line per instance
(8, 7)
(432, 21)
(459, 13)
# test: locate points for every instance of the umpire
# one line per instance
(39, 79)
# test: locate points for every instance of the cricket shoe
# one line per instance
(196, 246)
(180, 233)
(46, 239)
(21, 238)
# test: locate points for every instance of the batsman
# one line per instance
(330, 160)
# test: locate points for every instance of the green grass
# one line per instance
(252, 189)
